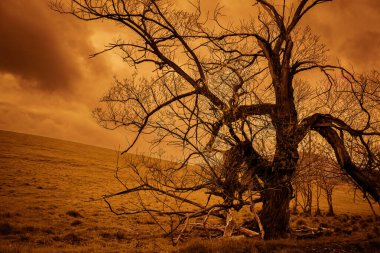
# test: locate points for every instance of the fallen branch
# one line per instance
(175, 241)
(247, 232)
(257, 218)
(230, 225)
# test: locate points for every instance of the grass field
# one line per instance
(47, 193)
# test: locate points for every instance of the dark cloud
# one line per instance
(350, 30)
(39, 47)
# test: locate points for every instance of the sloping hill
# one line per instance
(47, 188)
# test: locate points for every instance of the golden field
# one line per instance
(48, 192)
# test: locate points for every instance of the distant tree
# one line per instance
(327, 179)
(220, 91)
(303, 185)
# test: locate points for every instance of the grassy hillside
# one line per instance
(47, 193)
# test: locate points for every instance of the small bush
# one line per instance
(72, 238)
(376, 230)
(24, 238)
(45, 241)
(301, 222)
(316, 220)
(5, 229)
(352, 222)
(347, 231)
(74, 214)
(120, 235)
(106, 235)
(370, 236)
(356, 217)
(363, 224)
(6, 215)
(355, 228)
(48, 231)
(29, 229)
(343, 218)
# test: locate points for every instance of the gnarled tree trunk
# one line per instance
(275, 214)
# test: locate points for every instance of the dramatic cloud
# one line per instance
(350, 30)
(39, 47)
(48, 84)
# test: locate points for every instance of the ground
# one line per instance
(49, 190)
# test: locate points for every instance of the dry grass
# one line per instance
(279, 246)
(47, 188)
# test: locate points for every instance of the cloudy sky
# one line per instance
(49, 85)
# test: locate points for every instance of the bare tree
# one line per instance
(303, 185)
(328, 178)
(304, 177)
(219, 89)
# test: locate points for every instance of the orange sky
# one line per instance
(49, 86)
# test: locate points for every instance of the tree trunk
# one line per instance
(275, 214)
(318, 195)
(295, 211)
(278, 191)
(330, 212)
(309, 199)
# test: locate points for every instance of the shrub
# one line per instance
(120, 235)
(363, 224)
(72, 238)
(343, 218)
(301, 222)
(376, 230)
(5, 229)
(106, 235)
(6, 215)
(355, 228)
(370, 236)
(74, 214)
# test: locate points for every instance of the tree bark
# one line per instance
(318, 195)
(275, 214)
(330, 212)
